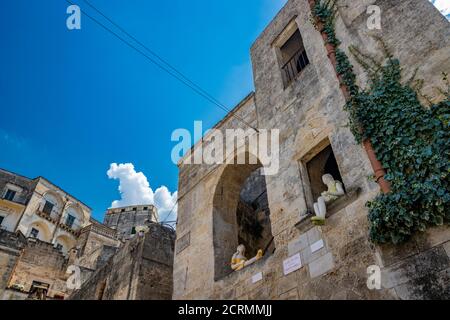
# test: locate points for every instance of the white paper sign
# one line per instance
(257, 277)
(317, 246)
(292, 264)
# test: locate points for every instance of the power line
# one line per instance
(168, 68)
(171, 210)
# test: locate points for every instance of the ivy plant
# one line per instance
(411, 140)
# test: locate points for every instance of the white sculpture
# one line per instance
(239, 261)
(142, 230)
(335, 190)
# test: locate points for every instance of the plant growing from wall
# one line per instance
(411, 140)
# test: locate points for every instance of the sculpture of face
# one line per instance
(241, 249)
(327, 179)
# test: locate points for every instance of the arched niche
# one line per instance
(44, 232)
(66, 243)
(231, 209)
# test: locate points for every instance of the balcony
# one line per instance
(294, 66)
(72, 228)
(52, 216)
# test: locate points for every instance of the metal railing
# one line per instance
(52, 216)
(294, 66)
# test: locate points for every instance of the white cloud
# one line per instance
(443, 6)
(135, 189)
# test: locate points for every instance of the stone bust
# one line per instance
(239, 261)
(335, 190)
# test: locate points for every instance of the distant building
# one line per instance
(125, 220)
(44, 231)
(40, 209)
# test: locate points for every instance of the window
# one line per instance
(322, 162)
(10, 194)
(48, 207)
(70, 221)
(133, 230)
(134, 209)
(59, 246)
(38, 290)
(292, 57)
(145, 208)
(123, 210)
(34, 233)
(1, 219)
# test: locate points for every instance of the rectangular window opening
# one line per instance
(9, 195)
(34, 233)
(48, 207)
(293, 58)
(70, 221)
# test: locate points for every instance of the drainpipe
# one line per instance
(375, 163)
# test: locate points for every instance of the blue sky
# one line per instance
(74, 102)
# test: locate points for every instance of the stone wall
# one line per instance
(96, 244)
(40, 261)
(310, 116)
(140, 270)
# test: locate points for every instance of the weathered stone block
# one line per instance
(321, 265)
(298, 244)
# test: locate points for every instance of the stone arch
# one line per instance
(45, 233)
(226, 203)
(53, 197)
(66, 242)
(75, 211)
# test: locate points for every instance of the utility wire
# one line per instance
(168, 68)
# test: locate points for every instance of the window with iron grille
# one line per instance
(293, 58)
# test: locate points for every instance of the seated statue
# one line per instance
(239, 261)
(335, 191)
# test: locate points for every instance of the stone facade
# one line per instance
(40, 207)
(35, 264)
(309, 113)
(124, 220)
(140, 270)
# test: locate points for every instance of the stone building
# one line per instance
(124, 220)
(45, 233)
(297, 92)
(37, 208)
(140, 270)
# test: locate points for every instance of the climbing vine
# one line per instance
(411, 140)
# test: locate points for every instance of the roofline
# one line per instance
(261, 34)
(16, 174)
(218, 124)
(131, 205)
(41, 177)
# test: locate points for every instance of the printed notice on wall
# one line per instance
(257, 277)
(292, 264)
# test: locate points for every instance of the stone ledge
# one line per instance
(305, 224)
